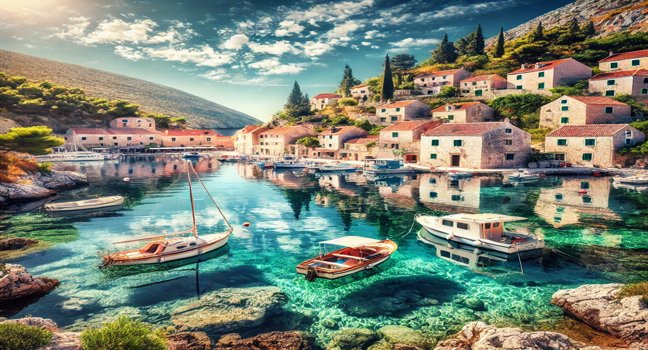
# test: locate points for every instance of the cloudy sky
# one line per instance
(246, 54)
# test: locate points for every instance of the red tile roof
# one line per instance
(249, 128)
(439, 73)
(318, 96)
(543, 66)
(286, 130)
(620, 74)
(626, 56)
(131, 131)
(190, 132)
(587, 130)
(482, 78)
(396, 104)
(598, 100)
(340, 130)
(467, 129)
(89, 131)
(412, 125)
(359, 86)
(458, 106)
(363, 140)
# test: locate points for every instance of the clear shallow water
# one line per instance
(591, 238)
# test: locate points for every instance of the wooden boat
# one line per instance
(358, 254)
(172, 247)
(483, 231)
(636, 180)
(86, 204)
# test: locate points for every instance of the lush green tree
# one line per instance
(121, 108)
(387, 86)
(348, 81)
(309, 141)
(499, 47)
(448, 91)
(297, 103)
(638, 110)
(588, 29)
(347, 101)
(538, 33)
(123, 334)
(363, 124)
(520, 109)
(400, 64)
(445, 52)
(572, 27)
(477, 43)
(32, 140)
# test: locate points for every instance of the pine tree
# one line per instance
(348, 81)
(387, 86)
(477, 44)
(400, 64)
(538, 33)
(445, 52)
(297, 103)
(573, 28)
(588, 29)
(499, 48)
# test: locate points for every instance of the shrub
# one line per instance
(633, 289)
(44, 168)
(348, 101)
(448, 91)
(17, 336)
(123, 334)
(309, 141)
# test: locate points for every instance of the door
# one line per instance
(478, 92)
(455, 160)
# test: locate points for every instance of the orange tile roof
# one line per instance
(620, 74)
(458, 106)
(318, 96)
(626, 56)
(89, 131)
(587, 130)
(131, 131)
(439, 73)
(360, 85)
(340, 130)
(286, 130)
(363, 140)
(482, 78)
(190, 132)
(412, 125)
(598, 100)
(464, 129)
(396, 104)
(249, 128)
(544, 66)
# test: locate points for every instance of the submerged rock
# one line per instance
(352, 339)
(16, 243)
(189, 341)
(229, 309)
(480, 336)
(17, 283)
(404, 338)
(40, 185)
(598, 306)
(266, 341)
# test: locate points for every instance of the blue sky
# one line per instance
(246, 54)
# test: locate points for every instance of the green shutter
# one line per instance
(590, 142)
(564, 120)
(564, 108)
(609, 109)
(433, 156)
(614, 65)
(587, 156)
(635, 62)
(435, 142)
(561, 142)
(609, 93)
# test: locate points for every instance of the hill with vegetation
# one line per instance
(154, 98)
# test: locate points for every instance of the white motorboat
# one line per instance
(386, 166)
(636, 180)
(72, 156)
(523, 176)
(289, 162)
(95, 203)
(458, 175)
(484, 231)
(339, 167)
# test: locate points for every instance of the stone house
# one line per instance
(117, 137)
(321, 101)
(591, 144)
(631, 60)
(402, 110)
(583, 110)
(483, 85)
(464, 112)
(189, 138)
(360, 148)
(281, 140)
(547, 75)
(332, 140)
(630, 82)
(246, 140)
(431, 83)
(476, 145)
(402, 138)
(133, 123)
(361, 92)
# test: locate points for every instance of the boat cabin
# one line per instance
(384, 163)
(477, 226)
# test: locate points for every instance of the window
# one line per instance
(563, 102)
(587, 199)
(510, 156)
(584, 185)
(83, 138)
(590, 142)
(173, 139)
(474, 83)
(434, 195)
(394, 134)
(100, 138)
(209, 139)
(645, 81)
(462, 225)
(435, 142)
(456, 197)
(129, 138)
(644, 91)
(614, 65)
(541, 86)
(114, 137)
(383, 119)
(635, 62)
(519, 77)
(508, 142)
(433, 156)
(519, 87)
(151, 138)
(609, 93)
(558, 196)
(609, 109)
(508, 131)
(561, 142)
(564, 108)
(447, 223)
(394, 118)
(383, 110)
(587, 157)
(564, 120)
(457, 143)
(487, 225)
(450, 117)
(628, 141)
(611, 82)
(432, 181)
(191, 139)
(541, 74)
(397, 109)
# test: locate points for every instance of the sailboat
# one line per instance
(64, 155)
(175, 246)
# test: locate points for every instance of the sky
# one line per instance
(246, 54)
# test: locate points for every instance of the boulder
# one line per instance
(17, 283)
(598, 306)
(480, 336)
(22, 192)
(59, 180)
(16, 243)
(404, 337)
(189, 341)
(266, 341)
(352, 339)
(40, 185)
(229, 309)
(39, 322)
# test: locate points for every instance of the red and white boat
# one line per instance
(358, 254)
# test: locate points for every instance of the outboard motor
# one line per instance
(311, 274)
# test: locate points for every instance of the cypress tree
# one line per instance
(588, 29)
(387, 86)
(499, 48)
(477, 45)
(573, 28)
(538, 33)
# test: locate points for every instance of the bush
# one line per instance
(45, 168)
(448, 91)
(521, 109)
(633, 289)
(348, 101)
(123, 334)
(309, 141)
(538, 134)
(17, 336)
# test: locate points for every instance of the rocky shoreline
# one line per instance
(40, 185)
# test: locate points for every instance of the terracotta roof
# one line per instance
(318, 96)
(189, 132)
(89, 131)
(598, 100)
(403, 103)
(132, 131)
(543, 66)
(364, 140)
(412, 125)
(458, 106)
(249, 128)
(626, 56)
(285, 130)
(339, 130)
(620, 74)
(439, 73)
(587, 130)
(482, 78)
(360, 85)
(464, 129)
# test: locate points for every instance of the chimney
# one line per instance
(611, 53)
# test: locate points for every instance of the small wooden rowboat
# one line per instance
(96, 203)
(358, 254)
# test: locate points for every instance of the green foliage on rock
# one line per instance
(17, 336)
(520, 109)
(32, 140)
(347, 101)
(638, 109)
(123, 334)
(634, 289)
(448, 91)
(309, 141)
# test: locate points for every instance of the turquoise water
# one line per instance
(596, 237)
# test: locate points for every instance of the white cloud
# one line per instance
(316, 48)
(272, 66)
(235, 42)
(365, 43)
(372, 34)
(120, 31)
(129, 53)
(74, 30)
(288, 28)
(330, 12)
(343, 31)
(203, 55)
(411, 42)
(277, 48)
(216, 74)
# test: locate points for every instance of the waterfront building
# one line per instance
(281, 140)
(331, 140)
(464, 112)
(402, 110)
(117, 137)
(246, 140)
(584, 110)
(402, 139)
(133, 123)
(360, 148)
(431, 83)
(190, 138)
(547, 75)
(629, 82)
(631, 60)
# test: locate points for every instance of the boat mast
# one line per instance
(191, 198)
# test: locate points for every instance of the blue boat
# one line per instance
(386, 166)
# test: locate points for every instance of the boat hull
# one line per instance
(389, 171)
(59, 207)
(289, 166)
(336, 275)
